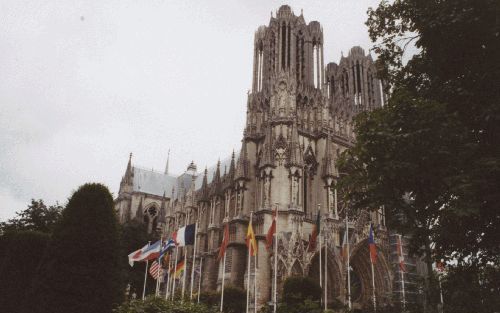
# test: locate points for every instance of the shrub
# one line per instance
(297, 289)
(160, 305)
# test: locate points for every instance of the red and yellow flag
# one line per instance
(251, 242)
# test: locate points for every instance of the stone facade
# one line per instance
(299, 119)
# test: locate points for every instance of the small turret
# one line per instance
(232, 167)
(204, 192)
(242, 167)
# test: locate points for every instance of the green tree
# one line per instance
(80, 271)
(133, 236)
(37, 217)
(431, 155)
(21, 257)
(469, 288)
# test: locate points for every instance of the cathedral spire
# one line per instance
(242, 167)
(168, 160)
(232, 167)
(204, 186)
(127, 178)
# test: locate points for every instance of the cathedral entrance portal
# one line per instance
(333, 276)
(361, 277)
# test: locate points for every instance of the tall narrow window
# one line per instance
(315, 68)
(288, 48)
(283, 45)
(305, 191)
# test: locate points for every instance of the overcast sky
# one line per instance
(84, 83)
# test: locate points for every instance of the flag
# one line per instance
(224, 243)
(177, 273)
(401, 257)
(167, 246)
(185, 235)
(251, 242)
(155, 270)
(440, 266)
(373, 248)
(165, 261)
(345, 247)
(136, 255)
(314, 235)
(152, 252)
(271, 231)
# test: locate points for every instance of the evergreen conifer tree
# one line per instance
(80, 271)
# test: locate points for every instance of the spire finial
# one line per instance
(168, 161)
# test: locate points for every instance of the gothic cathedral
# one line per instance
(299, 119)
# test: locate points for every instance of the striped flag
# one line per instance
(373, 247)
(155, 270)
(401, 257)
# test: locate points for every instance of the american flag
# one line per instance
(155, 270)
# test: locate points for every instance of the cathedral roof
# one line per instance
(152, 182)
(157, 183)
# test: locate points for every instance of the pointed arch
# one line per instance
(361, 266)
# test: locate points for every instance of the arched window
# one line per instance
(283, 46)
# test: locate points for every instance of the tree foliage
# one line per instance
(471, 289)
(431, 156)
(234, 299)
(297, 289)
(134, 236)
(160, 305)
(37, 217)
(21, 253)
(80, 271)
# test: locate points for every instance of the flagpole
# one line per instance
(185, 263)
(320, 257)
(169, 266)
(373, 287)
(176, 256)
(199, 279)
(255, 283)
(349, 303)
(175, 270)
(248, 267)
(194, 259)
(145, 277)
(159, 269)
(402, 273)
(326, 273)
(223, 279)
(275, 296)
